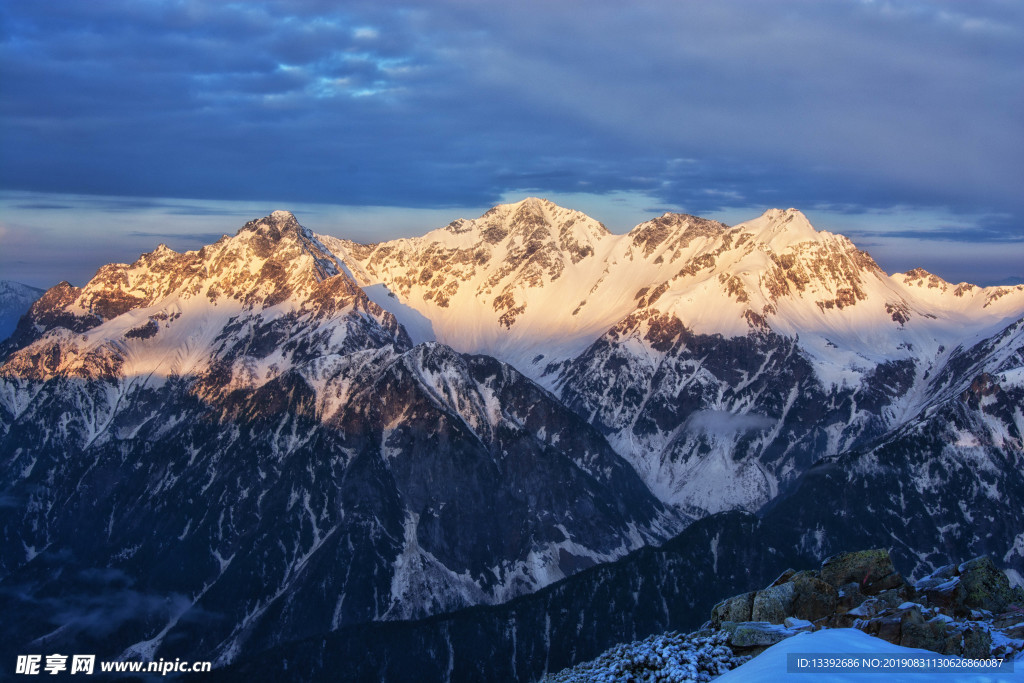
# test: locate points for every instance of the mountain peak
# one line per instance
(535, 202)
(784, 213)
(531, 220)
(9, 288)
(782, 228)
(922, 279)
(275, 226)
(789, 220)
(672, 231)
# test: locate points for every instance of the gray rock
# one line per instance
(813, 598)
(977, 644)
(893, 597)
(984, 586)
(868, 609)
(871, 570)
(774, 604)
(910, 615)
(887, 628)
(941, 593)
(785, 577)
(849, 597)
(798, 624)
(931, 635)
(758, 634)
(738, 608)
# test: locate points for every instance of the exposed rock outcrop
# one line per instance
(967, 610)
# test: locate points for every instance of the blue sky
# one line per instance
(124, 123)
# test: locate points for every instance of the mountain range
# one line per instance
(720, 362)
(215, 453)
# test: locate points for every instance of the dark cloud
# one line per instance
(702, 106)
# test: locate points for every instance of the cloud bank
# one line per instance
(455, 103)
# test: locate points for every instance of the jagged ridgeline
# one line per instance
(213, 453)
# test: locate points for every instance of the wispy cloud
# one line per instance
(948, 234)
(200, 237)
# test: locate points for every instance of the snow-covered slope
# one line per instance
(774, 663)
(778, 345)
(514, 283)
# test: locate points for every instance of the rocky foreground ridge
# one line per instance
(966, 610)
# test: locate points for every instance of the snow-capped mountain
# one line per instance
(720, 361)
(284, 434)
(505, 284)
(15, 300)
(247, 307)
(241, 432)
(532, 276)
